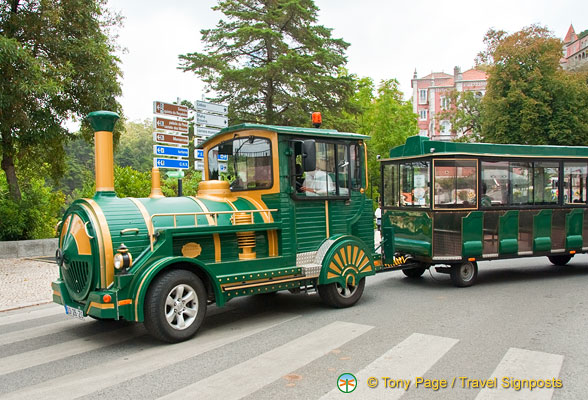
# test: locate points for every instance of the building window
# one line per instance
(423, 114)
(424, 132)
(445, 128)
(444, 102)
(423, 96)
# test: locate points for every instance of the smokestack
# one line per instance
(102, 123)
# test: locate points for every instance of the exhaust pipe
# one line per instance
(102, 123)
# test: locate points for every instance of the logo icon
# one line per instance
(346, 383)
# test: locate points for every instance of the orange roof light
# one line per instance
(317, 119)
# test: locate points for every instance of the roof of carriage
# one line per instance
(416, 146)
(290, 130)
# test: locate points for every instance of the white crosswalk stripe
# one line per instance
(252, 375)
(523, 365)
(28, 315)
(415, 356)
(411, 358)
(120, 370)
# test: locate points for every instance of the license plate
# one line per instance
(74, 312)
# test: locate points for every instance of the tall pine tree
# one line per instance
(271, 62)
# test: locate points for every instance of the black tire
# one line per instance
(166, 306)
(414, 273)
(464, 274)
(560, 260)
(336, 296)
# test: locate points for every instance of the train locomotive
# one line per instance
(284, 209)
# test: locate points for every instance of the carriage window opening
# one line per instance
(245, 162)
(323, 180)
(456, 183)
(494, 183)
(521, 179)
(414, 184)
(545, 182)
(575, 182)
(355, 165)
(390, 197)
(342, 170)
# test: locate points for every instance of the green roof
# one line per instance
(420, 146)
(290, 130)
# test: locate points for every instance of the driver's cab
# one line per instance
(315, 178)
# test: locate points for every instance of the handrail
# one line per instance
(213, 214)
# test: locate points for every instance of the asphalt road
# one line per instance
(524, 321)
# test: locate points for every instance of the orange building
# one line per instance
(575, 50)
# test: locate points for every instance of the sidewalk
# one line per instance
(25, 282)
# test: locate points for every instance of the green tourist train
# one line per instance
(454, 204)
(285, 209)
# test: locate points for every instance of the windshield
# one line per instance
(245, 162)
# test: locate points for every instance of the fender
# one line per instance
(346, 258)
(142, 281)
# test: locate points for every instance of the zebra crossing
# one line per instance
(401, 363)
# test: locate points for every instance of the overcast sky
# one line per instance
(389, 39)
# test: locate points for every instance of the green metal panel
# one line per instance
(472, 234)
(508, 232)
(542, 231)
(412, 232)
(574, 224)
(311, 227)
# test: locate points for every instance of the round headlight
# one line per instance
(118, 261)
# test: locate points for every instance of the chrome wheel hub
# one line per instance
(181, 307)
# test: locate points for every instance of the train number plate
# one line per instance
(74, 312)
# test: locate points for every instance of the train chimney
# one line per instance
(102, 123)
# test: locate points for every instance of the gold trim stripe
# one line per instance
(108, 268)
(327, 217)
(143, 210)
(100, 306)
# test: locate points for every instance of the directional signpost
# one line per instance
(174, 128)
(210, 117)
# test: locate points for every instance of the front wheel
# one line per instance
(560, 260)
(175, 306)
(464, 274)
(337, 296)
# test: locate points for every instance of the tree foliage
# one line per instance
(271, 62)
(465, 115)
(57, 61)
(529, 98)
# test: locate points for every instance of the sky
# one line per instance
(388, 39)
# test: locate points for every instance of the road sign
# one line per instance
(223, 167)
(171, 163)
(211, 107)
(199, 165)
(223, 157)
(201, 131)
(218, 121)
(170, 151)
(199, 154)
(159, 107)
(175, 174)
(170, 139)
(170, 124)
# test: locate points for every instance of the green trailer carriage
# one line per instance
(281, 208)
(458, 203)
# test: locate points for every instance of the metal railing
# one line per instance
(211, 216)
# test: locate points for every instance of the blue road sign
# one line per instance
(171, 163)
(170, 151)
(223, 157)
(199, 154)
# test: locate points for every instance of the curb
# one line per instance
(25, 305)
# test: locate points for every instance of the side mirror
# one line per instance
(309, 155)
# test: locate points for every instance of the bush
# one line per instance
(35, 216)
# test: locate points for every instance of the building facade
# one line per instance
(430, 97)
(575, 51)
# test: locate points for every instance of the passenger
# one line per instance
(319, 181)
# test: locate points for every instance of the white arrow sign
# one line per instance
(211, 107)
(206, 132)
(217, 121)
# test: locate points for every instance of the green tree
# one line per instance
(135, 147)
(529, 98)
(57, 62)
(388, 119)
(271, 62)
(465, 115)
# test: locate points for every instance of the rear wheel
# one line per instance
(464, 274)
(560, 260)
(335, 295)
(414, 273)
(175, 306)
